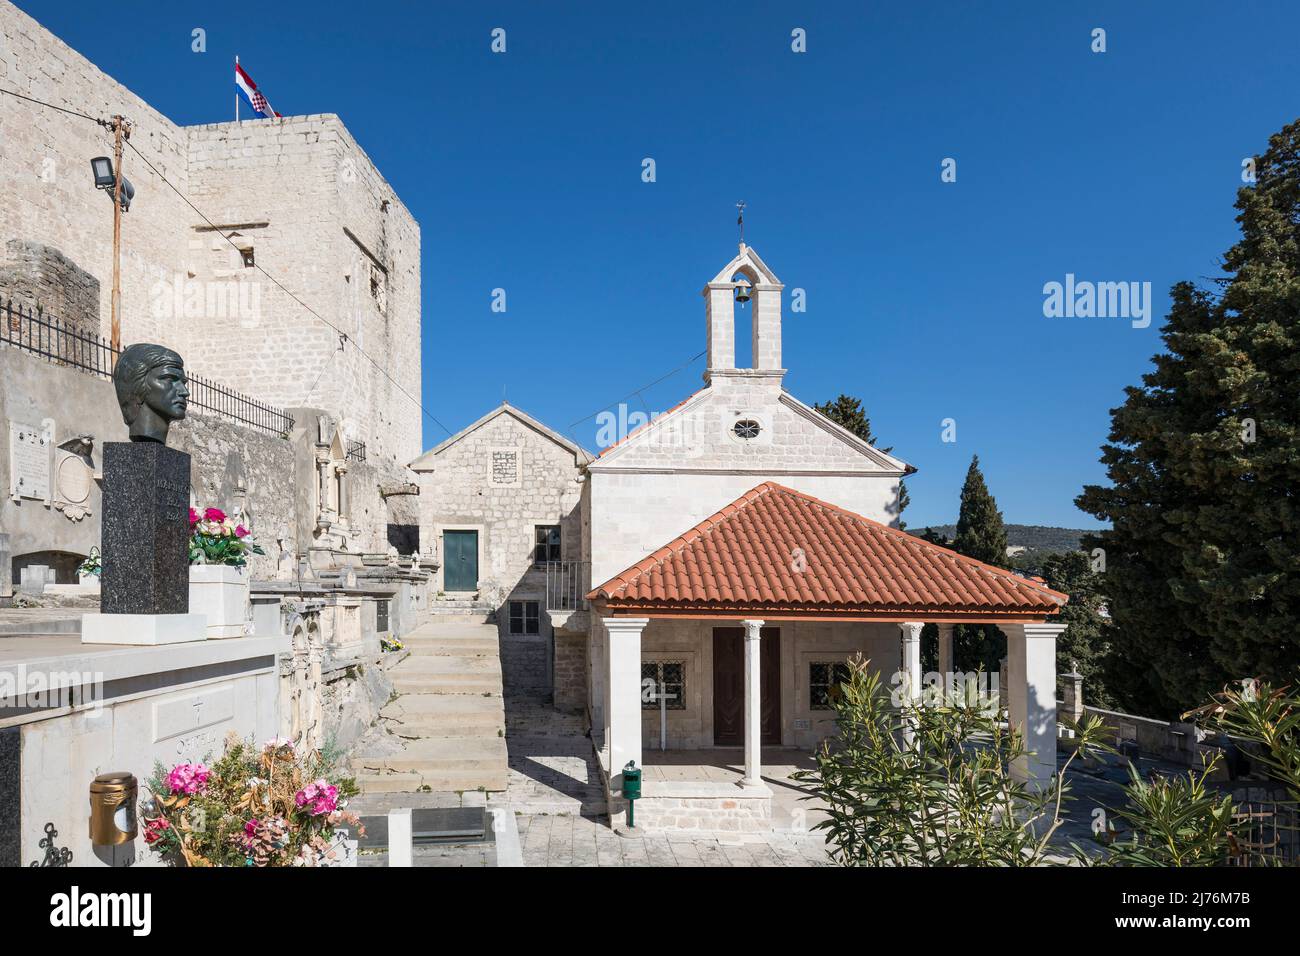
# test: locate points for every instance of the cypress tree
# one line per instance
(1202, 564)
(980, 535)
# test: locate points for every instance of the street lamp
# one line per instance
(102, 167)
(122, 192)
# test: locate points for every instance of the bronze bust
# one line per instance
(150, 382)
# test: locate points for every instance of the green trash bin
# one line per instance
(631, 789)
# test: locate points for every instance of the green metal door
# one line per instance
(460, 560)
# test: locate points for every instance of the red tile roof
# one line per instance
(743, 560)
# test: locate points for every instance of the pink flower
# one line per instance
(154, 829)
(241, 531)
(188, 778)
(318, 798)
(194, 517)
(214, 514)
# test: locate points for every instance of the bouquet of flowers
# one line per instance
(390, 644)
(215, 539)
(93, 565)
(254, 807)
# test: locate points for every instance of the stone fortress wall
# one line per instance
(300, 192)
(297, 197)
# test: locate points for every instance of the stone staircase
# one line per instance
(459, 608)
(448, 718)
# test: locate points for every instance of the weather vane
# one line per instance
(740, 220)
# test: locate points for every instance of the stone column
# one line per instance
(345, 492)
(910, 667)
(623, 693)
(597, 654)
(1031, 697)
(945, 653)
(323, 480)
(753, 705)
(910, 658)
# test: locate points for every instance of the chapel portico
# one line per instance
(787, 562)
(754, 637)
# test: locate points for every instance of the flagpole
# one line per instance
(236, 89)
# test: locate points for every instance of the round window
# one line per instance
(746, 428)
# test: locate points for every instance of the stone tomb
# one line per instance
(146, 532)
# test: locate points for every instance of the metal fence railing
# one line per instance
(566, 587)
(33, 331)
(356, 451)
(1268, 833)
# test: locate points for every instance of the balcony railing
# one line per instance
(567, 583)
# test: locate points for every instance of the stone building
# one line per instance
(297, 197)
(742, 548)
(500, 504)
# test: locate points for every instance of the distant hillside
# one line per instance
(1033, 537)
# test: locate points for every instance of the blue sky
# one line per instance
(924, 298)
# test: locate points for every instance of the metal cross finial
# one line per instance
(740, 220)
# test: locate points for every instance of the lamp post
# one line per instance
(108, 174)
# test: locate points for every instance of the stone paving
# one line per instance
(553, 789)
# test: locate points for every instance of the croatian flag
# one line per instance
(246, 88)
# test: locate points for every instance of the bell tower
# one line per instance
(744, 282)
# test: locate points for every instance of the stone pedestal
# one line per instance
(220, 592)
(143, 629)
(144, 586)
(146, 530)
(1072, 695)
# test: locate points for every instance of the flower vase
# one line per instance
(221, 592)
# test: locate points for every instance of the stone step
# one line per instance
(490, 687)
(423, 665)
(438, 705)
(469, 654)
(444, 715)
(442, 782)
(414, 728)
(437, 755)
(467, 646)
(442, 628)
(388, 782)
(455, 617)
